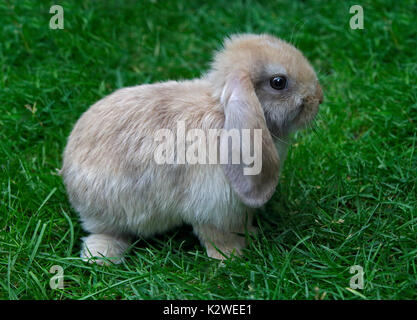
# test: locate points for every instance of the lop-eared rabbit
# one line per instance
(121, 192)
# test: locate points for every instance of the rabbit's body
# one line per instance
(112, 179)
(111, 174)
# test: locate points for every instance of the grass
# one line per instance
(348, 191)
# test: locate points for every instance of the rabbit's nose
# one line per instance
(319, 94)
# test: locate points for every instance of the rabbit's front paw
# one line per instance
(223, 253)
(220, 244)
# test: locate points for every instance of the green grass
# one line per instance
(348, 191)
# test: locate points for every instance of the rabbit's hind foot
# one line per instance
(103, 249)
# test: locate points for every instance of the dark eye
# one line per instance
(278, 82)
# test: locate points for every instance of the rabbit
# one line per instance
(120, 192)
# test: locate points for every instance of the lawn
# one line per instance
(347, 195)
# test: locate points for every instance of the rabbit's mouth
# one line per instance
(308, 110)
(282, 122)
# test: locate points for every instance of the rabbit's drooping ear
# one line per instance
(243, 111)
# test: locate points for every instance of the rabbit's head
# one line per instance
(263, 83)
(283, 80)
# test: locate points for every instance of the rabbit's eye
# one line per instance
(278, 82)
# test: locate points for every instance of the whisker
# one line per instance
(278, 138)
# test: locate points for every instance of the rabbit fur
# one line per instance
(120, 193)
